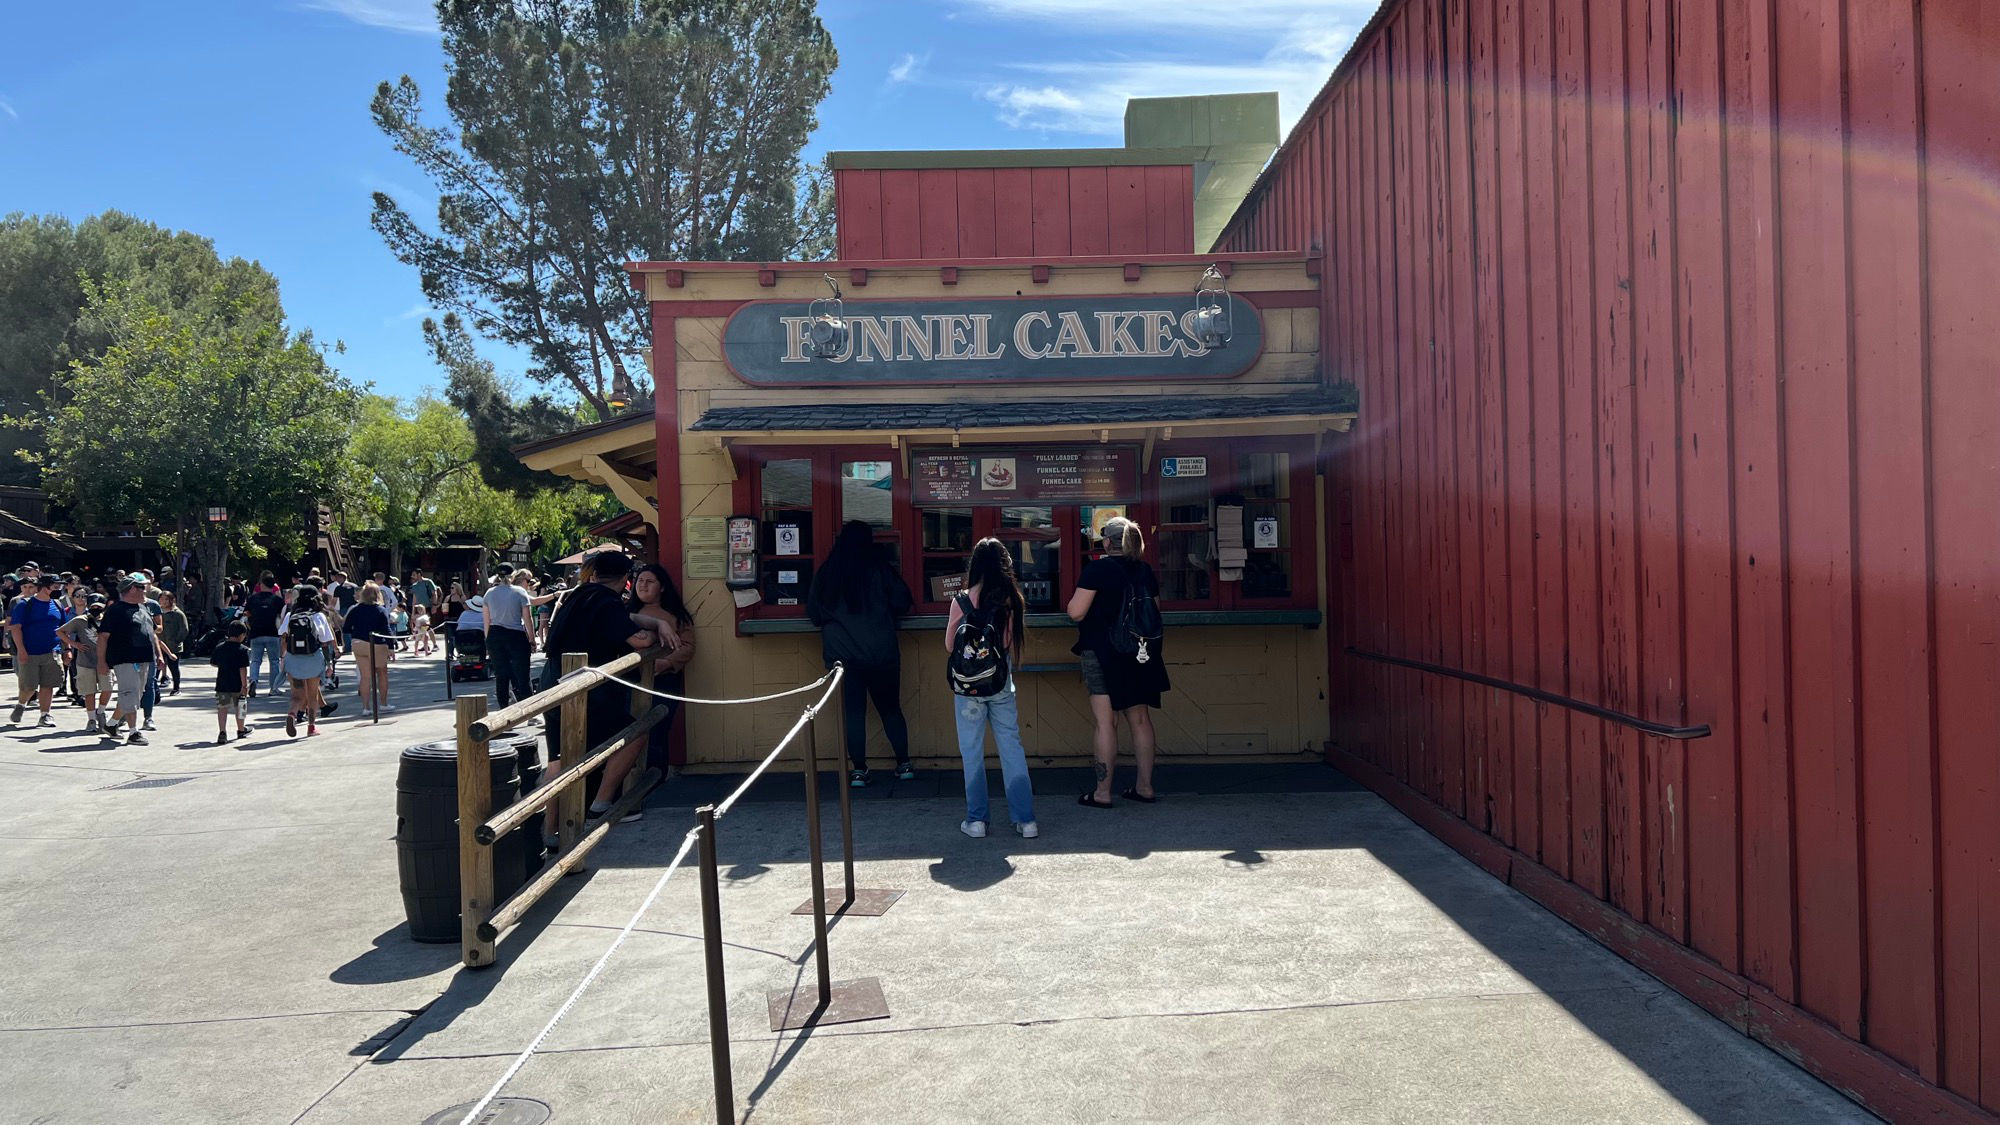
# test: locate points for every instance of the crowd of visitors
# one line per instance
(113, 646)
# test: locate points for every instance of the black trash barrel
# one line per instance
(427, 836)
(525, 841)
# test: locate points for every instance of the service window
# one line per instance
(1032, 537)
(1263, 484)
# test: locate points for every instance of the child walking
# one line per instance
(988, 623)
(232, 681)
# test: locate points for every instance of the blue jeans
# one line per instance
(1002, 712)
(261, 649)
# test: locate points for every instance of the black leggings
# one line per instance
(883, 684)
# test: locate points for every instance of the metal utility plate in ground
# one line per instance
(866, 904)
(149, 783)
(501, 1111)
(850, 1001)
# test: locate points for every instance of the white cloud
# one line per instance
(419, 17)
(907, 67)
(412, 313)
(7, 107)
(1289, 46)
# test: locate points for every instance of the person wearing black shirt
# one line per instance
(232, 682)
(593, 620)
(127, 649)
(855, 600)
(1118, 683)
(261, 611)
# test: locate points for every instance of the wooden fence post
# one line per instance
(571, 805)
(475, 861)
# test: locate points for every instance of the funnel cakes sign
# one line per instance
(1006, 339)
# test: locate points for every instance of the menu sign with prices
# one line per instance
(1082, 473)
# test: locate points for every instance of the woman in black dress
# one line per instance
(1120, 683)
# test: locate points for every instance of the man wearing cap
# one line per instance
(32, 625)
(127, 651)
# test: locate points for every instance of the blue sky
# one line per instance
(247, 120)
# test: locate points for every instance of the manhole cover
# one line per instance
(150, 783)
(503, 1111)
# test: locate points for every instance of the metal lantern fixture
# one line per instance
(1211, 309)
(827, 334)
(218, 515)
(621, 391)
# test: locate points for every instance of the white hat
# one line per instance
(475, 602)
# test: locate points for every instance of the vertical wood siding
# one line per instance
(1674, 322)
(957, 213)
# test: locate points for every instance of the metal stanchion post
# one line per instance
(718, 999)
(846, 829)
(864, 903)
(818, 865)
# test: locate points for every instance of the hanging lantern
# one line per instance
(826, 335)
(1211, 309)
(218, 515)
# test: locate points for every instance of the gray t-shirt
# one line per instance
(79, 630)
(504, 606)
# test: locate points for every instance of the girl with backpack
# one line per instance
(1117, 613)
(988, 624)
(308, 640)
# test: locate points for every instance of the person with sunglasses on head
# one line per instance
(1124, 669)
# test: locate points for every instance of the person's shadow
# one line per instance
(971, 873)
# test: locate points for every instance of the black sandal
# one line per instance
(1089, 801)
(1133, 795)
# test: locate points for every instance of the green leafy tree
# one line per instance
(404, 461)
(181, 412)
(590, 133)
(46, 265)
(499, 421)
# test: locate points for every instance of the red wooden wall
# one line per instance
(1677, 327)
(951, 213)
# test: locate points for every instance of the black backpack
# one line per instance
(978, 665)
(1139, 626)
(302, 636)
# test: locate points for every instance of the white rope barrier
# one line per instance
(800, 690)
(521, 1060)
(687, 843)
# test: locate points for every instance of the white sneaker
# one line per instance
(1027, 828)
(150, 726)
(973, 828)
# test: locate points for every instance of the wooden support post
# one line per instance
(475, 860)
(575, 748)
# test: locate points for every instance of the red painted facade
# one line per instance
(944, 214)
(1674, 329)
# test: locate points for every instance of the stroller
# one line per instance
(468, 658)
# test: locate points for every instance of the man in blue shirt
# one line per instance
(32, 625)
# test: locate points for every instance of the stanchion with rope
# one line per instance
(836, 1001)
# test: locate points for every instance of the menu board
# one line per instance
(1089, 473)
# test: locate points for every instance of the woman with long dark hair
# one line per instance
(655, 595)
(994, 615)
(855, 600)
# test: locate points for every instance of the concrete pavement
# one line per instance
(1267, 945)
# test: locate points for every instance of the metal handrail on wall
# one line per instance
(481, 920)
(1646, 726)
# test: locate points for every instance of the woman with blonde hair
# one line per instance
(368, 626)
(1118, 640)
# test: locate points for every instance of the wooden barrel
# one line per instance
(427, 835)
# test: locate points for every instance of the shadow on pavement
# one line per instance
(468, 987)
(396, 957)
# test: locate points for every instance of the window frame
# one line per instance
(1302, 513)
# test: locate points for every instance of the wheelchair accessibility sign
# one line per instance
(1183, 466)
